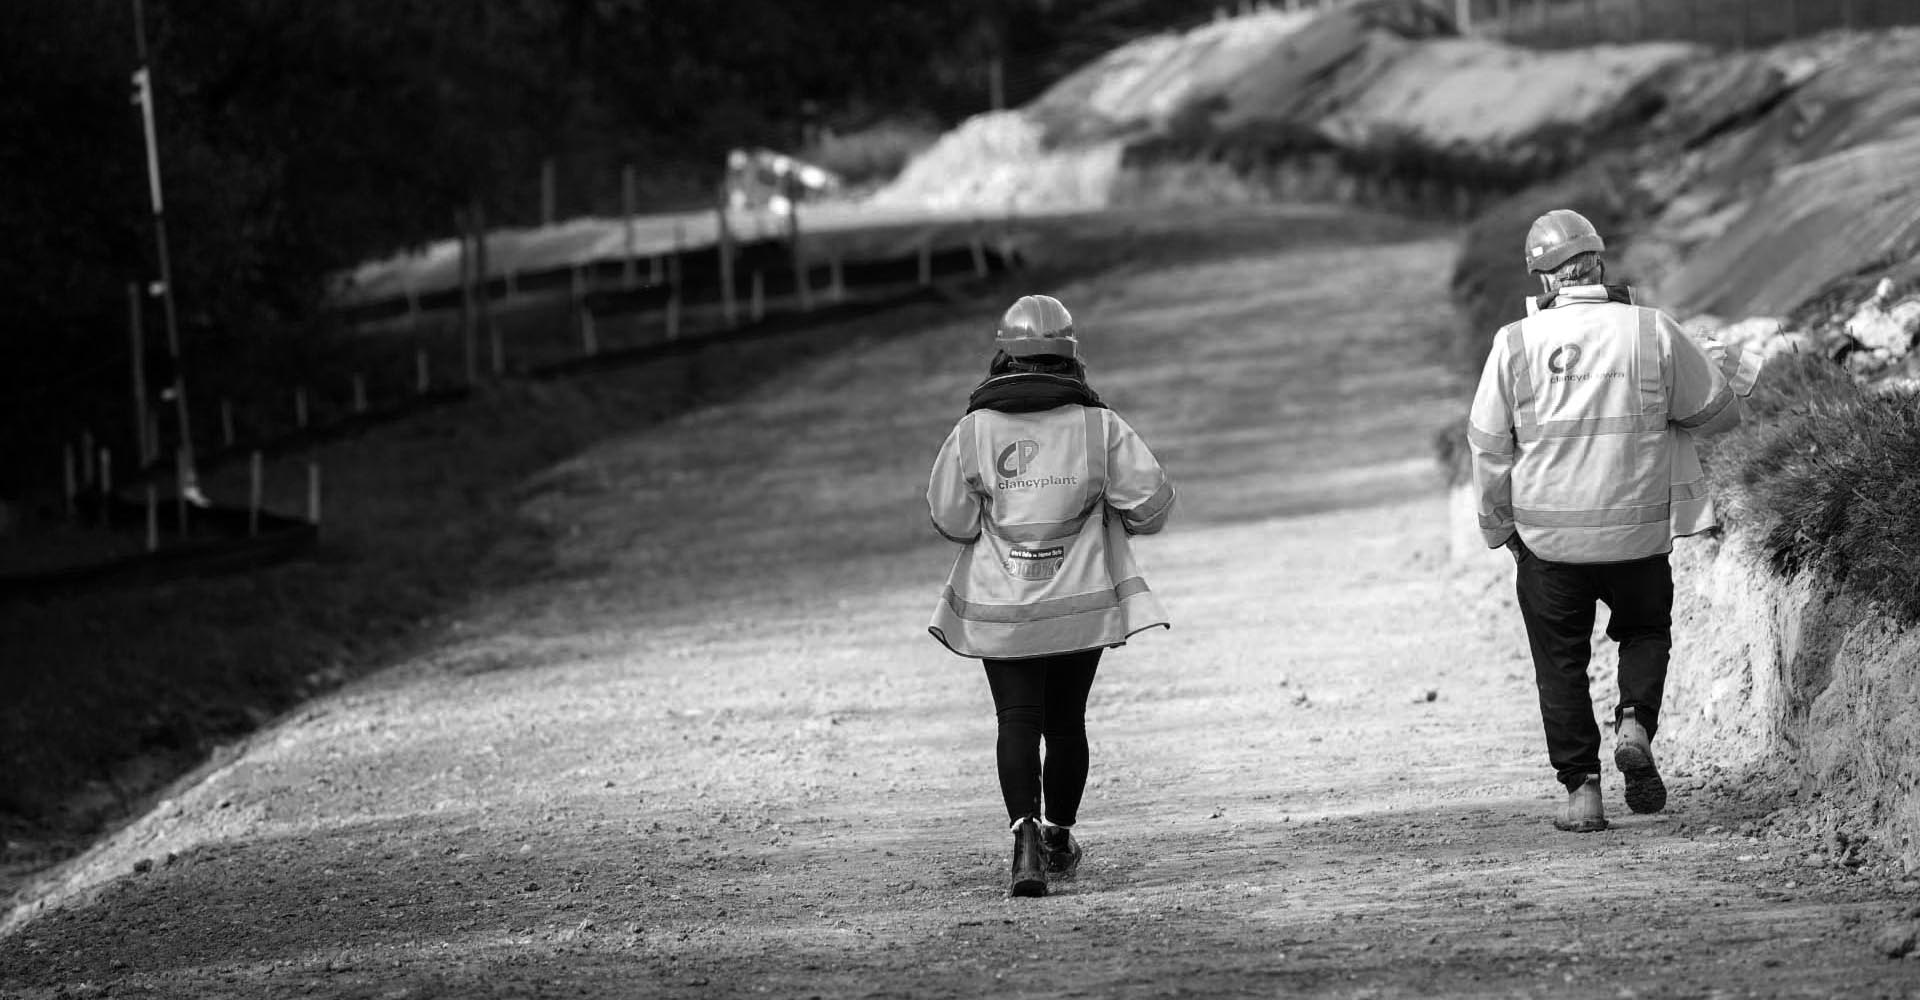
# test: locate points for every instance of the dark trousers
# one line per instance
(1557, 603)
(1044, 697)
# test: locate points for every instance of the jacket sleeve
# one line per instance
(1699, 397)
(954, 491)
(1738, 365)
(1490, 441)
(1137, 487)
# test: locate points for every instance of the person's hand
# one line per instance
(1516, 546)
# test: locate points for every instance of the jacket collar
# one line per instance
(1584, 293)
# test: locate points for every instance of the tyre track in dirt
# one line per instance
(713, 753)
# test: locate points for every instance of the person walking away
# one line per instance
(1581, 435)
(1041, 484)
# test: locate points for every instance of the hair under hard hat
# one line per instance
(1036, 324)
(1558, 236)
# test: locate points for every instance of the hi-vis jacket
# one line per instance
(1582, 430)
(1042, 504)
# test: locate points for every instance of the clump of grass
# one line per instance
(1826, 474)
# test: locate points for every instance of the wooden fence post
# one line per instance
(69, 476)
(674, 274)
(467, 327)
(628, 264)
(802, 282)
(483, 296)
(153, 519)
(589, 333)
(255, 489)
(185, 473)
(577, 306)
(723, 245)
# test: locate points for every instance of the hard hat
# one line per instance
(1557, 236)
(1037, 324)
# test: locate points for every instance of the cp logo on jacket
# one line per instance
(1016, 458)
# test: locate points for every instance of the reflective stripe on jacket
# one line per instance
(1581, 430)
(1042, 504)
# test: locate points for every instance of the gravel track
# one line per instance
(726, 760)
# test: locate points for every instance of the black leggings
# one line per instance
(1045, 696)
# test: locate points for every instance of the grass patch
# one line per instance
(1826, 474)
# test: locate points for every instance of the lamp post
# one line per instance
(143, 96)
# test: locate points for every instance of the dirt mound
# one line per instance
(1486, 98)
(1762, 218)
(1380, 83)
(1000, 162)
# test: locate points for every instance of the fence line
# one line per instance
(1720, 23)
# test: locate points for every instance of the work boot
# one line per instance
(1029, 861)
(1633, 755)
(1063, 852)
(1584, 812)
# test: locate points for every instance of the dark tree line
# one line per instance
(298, 138)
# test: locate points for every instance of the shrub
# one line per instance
(1826, 474)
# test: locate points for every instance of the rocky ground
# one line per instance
(712, 752)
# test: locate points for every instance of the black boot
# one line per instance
(1029, 860)
(1063, 851)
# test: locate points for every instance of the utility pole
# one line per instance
(143, 96)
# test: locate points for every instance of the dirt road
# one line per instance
(713, 752)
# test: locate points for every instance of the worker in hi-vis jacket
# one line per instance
(1581, 434)
(1042, 486)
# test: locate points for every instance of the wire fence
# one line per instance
(1719, 23)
